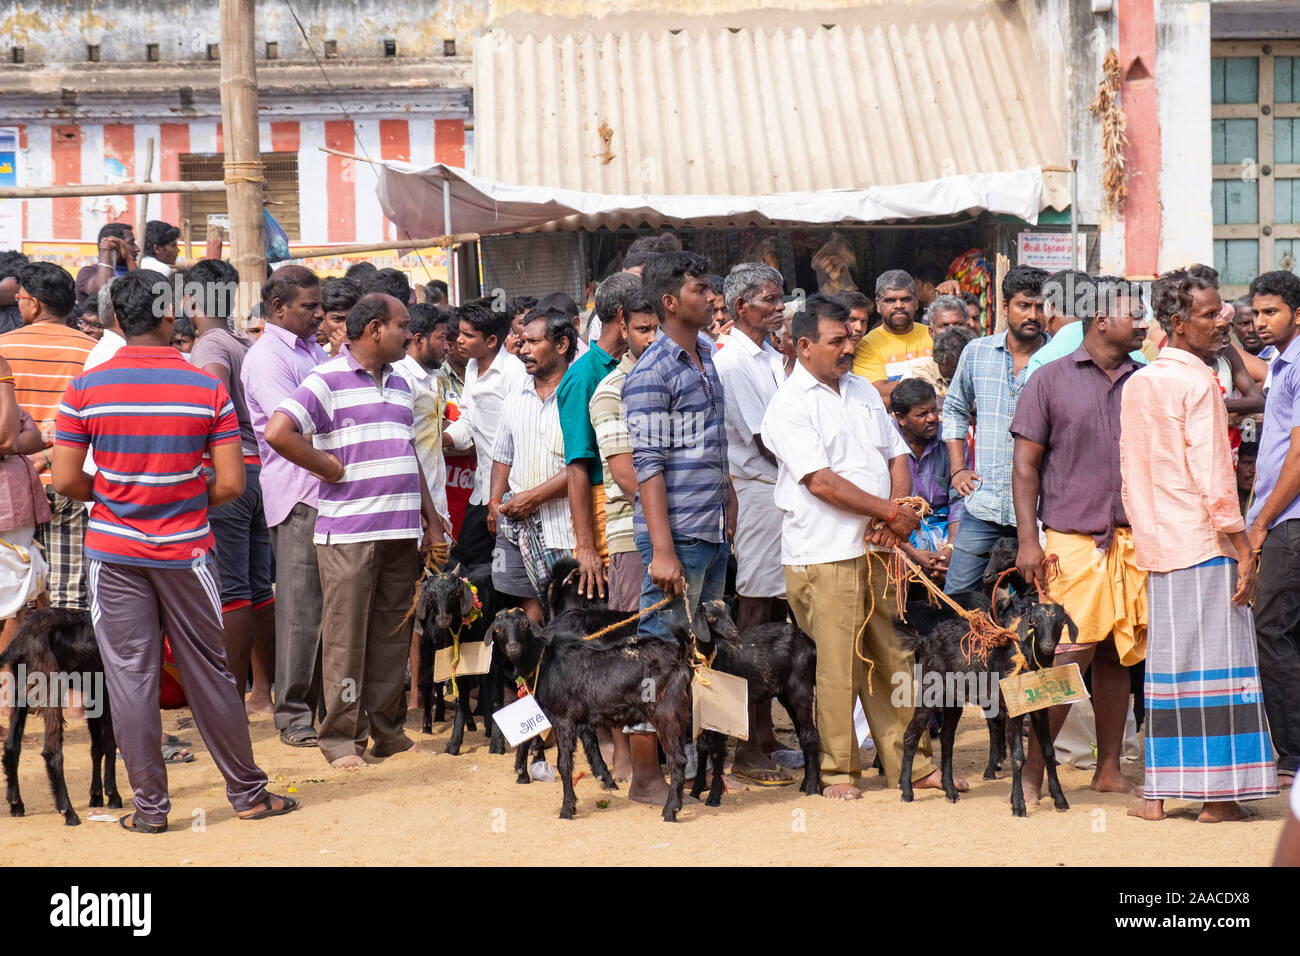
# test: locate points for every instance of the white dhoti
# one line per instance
(759, 572)
(22, 569)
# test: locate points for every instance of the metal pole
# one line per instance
(1074, 216)
(453, 298)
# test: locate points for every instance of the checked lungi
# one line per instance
(1206, 734)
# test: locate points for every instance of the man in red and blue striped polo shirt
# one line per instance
(374, 509)
(151, 415)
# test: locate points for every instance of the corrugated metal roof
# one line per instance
(878, 102)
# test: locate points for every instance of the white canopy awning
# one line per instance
(412, 197)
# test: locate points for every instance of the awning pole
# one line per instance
(1074, 215)
(452, 297)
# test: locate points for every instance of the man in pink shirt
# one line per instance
(1207, 735)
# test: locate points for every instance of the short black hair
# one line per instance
(1071, 293)
(118, 230)
(645, 248)
(970, 298)
(140, 299)
(390, 282)
(929, 272)
(952, 341)
(715, 282)
(371, 306)
(909, 393)
(1109, 290)
(1171, 293)
(158, 233)
(10, 262)
(435, 292)
(1281, 283)
(558, 301)
(666, 274)
(853, 299)
(220, 283)
(807, 323)
(1026, 279)
(359, 270)
(1250, 449)
(559, 326)
(87, 306)
(478, 313)
(285, 283)
(50, 285)
(340, 295)
(184, 327)
(424, 318)
(521, 304)
(612, 292)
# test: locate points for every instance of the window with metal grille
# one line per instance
(282, 190)
(1255, 147)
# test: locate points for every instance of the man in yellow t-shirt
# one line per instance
(889, 352)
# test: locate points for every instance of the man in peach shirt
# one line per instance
(1206, 732)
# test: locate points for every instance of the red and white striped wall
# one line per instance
(336, 196)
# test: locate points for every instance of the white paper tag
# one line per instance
(475, 658)
(522, 720)
(722, 704)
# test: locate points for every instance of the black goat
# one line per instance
(939, 656)
(53, 644)
(777, 660)
(445, 605)
(606, 682)
(502, 631)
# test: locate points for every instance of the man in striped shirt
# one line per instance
(372, 499)
(149, 560)
(45, 355)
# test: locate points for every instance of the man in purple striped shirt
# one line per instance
(372, 499)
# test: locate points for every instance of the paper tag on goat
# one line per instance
(1034, 690)
(522, 720)
(723, 705)
(475, 658)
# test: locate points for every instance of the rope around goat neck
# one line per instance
(636, 617)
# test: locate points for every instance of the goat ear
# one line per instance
(1002, 601)
(466, 597)
(700, 625)
(1071, 628)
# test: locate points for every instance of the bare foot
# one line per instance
(279, 805)
(1032, 797)
(759, 768)
(261, 707)
(350, 762)
(734, 784)
(1224, 811)
(1114, 782)
(417, 748)
(842, 791)
(1148, 810)
(653, 791)
(934, 781)
(622, 767)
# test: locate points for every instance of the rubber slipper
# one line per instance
(173, 754)
(139, 826)
(290, 804)
(299, 737)
(752, 776)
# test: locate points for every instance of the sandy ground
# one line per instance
(422, 809)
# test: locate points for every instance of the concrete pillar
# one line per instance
(1137, 57)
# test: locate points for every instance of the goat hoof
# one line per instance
(426, 727)
(497, 748)
(609, 784)
(114, 801)
(952, 797)
(990, 775)
(1062, 806)
(713, 802)
(17, 809)
(1019, 812)
(454, 750)
(523, 778)
(96, 800)
(72, 820)
(907, 797)
(566, 813)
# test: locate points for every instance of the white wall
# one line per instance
(1183, 82)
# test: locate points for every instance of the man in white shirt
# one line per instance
(161, 247)
(841, 464)
(751, 370)
(491, 374)
(419, 366)
(528, 509)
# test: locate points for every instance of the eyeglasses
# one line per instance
(24, 295)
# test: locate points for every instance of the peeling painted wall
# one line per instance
(1183, 79)
(58, 31)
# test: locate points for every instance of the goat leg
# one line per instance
(565, 738)
(997, 728)
(96, 755)
(458, 723)
(947, 734)
(108, 744)
(701, 766)
(805, 728)
(425, 681)
(1043, 730)
(717, 744)
(521, 762)
(13, 750)
(53, 754)
(439, 702)
(1016, 747)
(911, 737)
(595, 759)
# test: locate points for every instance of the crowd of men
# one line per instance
(260, 499)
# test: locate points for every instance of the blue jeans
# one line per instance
(704, 566)
(970, 552)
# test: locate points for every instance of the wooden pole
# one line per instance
(142, 207)
(440, 241)
(213, 241)
(243, 167)
(1003, 266)
(108, 189)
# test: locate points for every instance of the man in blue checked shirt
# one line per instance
(990, 374)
